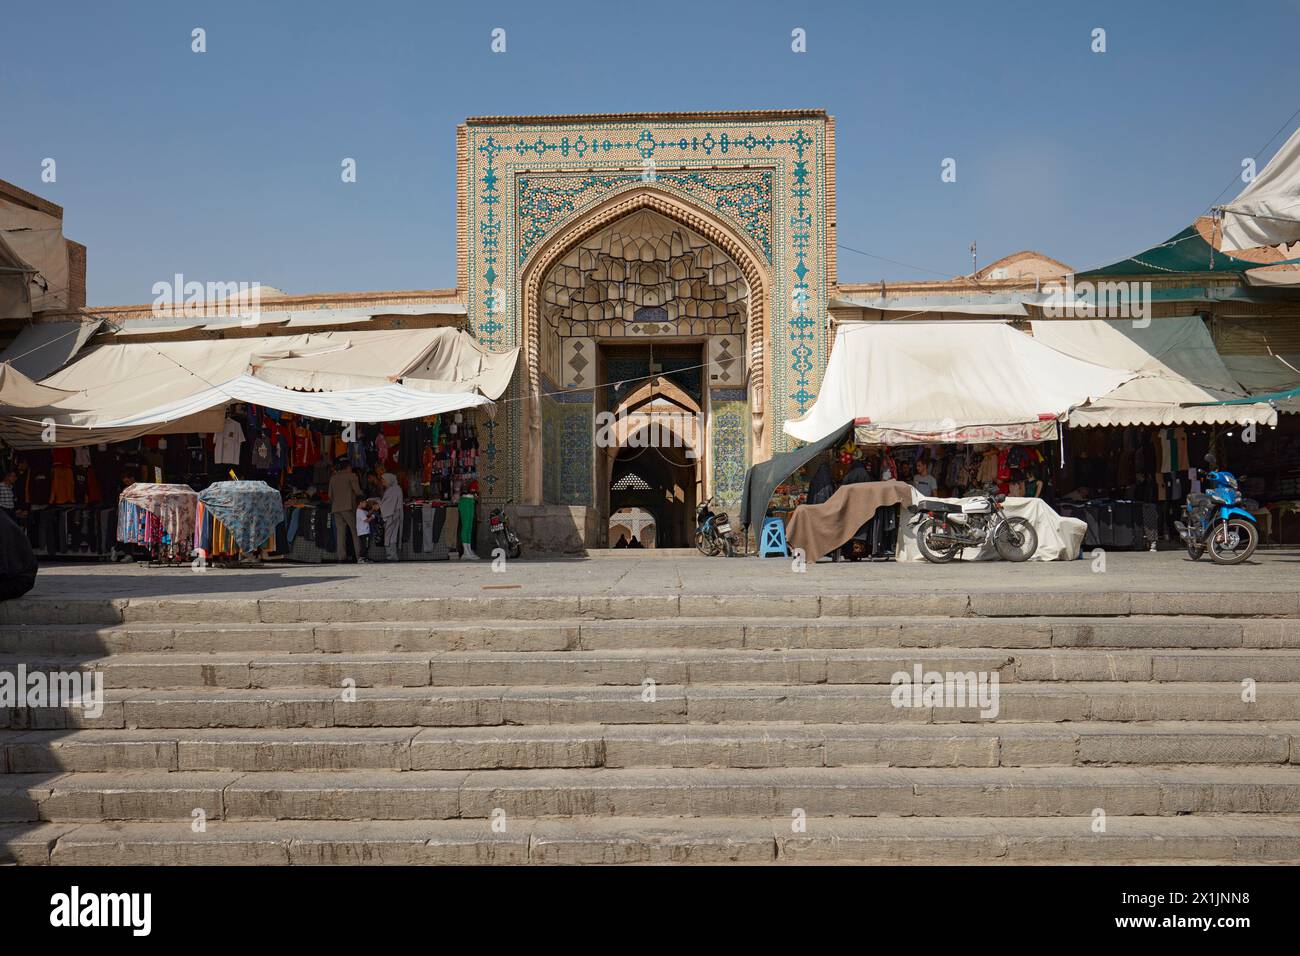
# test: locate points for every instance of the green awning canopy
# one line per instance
(1270, 397)
(1185, 252)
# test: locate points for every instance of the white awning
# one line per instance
(43, 348)
(926, 305)
(1177, 370)
(1267, 211)
(949, 381)
(122, 390)
(437, 360)
(384, 403)
(20, 393)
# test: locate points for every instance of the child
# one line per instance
(364, 509)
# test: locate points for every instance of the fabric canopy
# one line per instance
(433, 360)
(1267, 211)
(920, 382)
(1185, 252)
(761, 480)
(1178, 371)
(20, 393)
(37, 238)
(984, 305)
(124, 390)
(1270, 278)
(15, 283)
(1265, 361)
(42, 348)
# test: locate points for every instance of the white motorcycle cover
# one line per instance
(1059, 538)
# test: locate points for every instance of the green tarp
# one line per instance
(1253, 399)
(1185, 252)
(762, 479)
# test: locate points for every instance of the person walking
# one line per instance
(344, 491)
(390, 509)
(8, 500)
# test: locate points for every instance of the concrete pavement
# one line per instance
(622, 573)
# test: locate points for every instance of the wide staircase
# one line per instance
(747, 728)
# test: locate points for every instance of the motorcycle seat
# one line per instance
(940, 507)
(1196, 498)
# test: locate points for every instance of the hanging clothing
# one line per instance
(390, 507)
(227, 443)
(465, 507)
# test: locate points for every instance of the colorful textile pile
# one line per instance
(245, 511)
(151, 514)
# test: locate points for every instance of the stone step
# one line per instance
(221, 635)
(1211, 838)
(540, 606)
(233, 669)
(814, 791)
(671, 704)
(623, 746)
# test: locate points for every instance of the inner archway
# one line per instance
(645, 286)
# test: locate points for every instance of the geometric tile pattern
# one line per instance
(730, 427)
(578, 362)
(576, 441)
(741, 196)
(726, 360)
(524, 180)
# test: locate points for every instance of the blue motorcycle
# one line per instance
(1215, 522)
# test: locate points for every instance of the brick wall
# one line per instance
(76, 275)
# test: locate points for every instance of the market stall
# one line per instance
(158, 517)
(907, 383)
(235, 518)
(1131, 456)
(402, 401)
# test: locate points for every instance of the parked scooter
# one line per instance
(713, 534)
(1214, 522)
(502, 535)
(943, 530)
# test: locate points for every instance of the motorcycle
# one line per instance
(943, 530)
(713, 534)
(1215, 522)
(502, 535)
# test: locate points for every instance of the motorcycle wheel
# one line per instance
(1016, 540)
(516, 549)
(936, 554)
(1247, 540)
(499, 540)
(1194, 551)
(728, 547)
(707, 544)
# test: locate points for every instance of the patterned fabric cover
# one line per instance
(250, 510)
(173, 505)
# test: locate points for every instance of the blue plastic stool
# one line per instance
(772, 539)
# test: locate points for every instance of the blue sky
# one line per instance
(225, 165)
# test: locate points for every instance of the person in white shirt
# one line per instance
(923, 481)
(363, 530)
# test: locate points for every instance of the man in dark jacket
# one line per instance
(857, 473)
(17, 561)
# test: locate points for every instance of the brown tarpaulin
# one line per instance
(820, 529)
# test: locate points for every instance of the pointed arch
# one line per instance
(535, 268)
